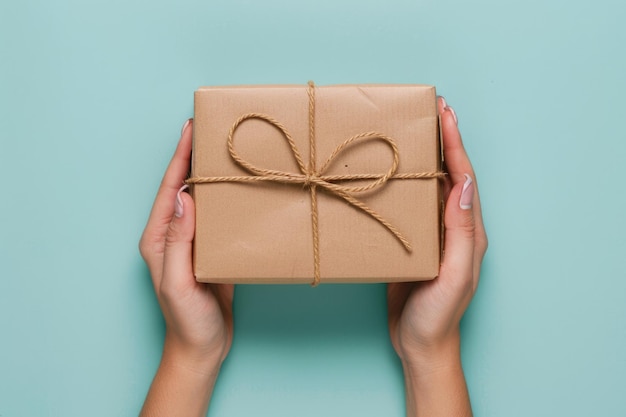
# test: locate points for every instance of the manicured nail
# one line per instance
(453, 114)
(467, 194)
(178, 206)
(185, 126)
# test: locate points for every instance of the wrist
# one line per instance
(183, 383)
(434, 381)
(443, 355)
(203, 362)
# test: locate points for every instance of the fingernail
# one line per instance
(178, 206)
(467, 194)
(443, 100)
(453, 114)
(185, 126)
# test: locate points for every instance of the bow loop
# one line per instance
(377, 180)
(285, 133)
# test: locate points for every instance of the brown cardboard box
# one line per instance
(260, 231)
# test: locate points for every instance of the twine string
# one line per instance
(312, 185)
(310, 177)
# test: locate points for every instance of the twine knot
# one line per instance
(309, 179)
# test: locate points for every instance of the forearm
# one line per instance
(181, 387)
(435, 384)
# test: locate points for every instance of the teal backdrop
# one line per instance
(93, 94)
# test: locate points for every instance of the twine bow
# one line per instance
(311, 177)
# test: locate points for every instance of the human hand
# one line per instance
(424, 316)
(198, 317)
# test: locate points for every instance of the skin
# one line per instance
(423, 317)
(198, 317)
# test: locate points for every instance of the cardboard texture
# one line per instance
(261, 232)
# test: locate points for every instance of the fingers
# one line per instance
(464, 227)
(458, 165)
(152, 241)
(177, 258)
(224, 294)
(397, 294)
(455, 156)
(179, 165)
(175, 175)
(458, 259)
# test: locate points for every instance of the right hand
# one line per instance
(424, 316)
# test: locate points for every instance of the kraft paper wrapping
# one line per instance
(261, 232)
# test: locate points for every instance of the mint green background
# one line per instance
(92, 98)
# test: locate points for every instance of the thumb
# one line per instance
(177, 263)
(459, 223)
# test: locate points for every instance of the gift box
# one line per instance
(310, 184)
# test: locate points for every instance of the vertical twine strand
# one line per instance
(313, 186)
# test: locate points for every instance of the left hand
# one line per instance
(198, 317)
